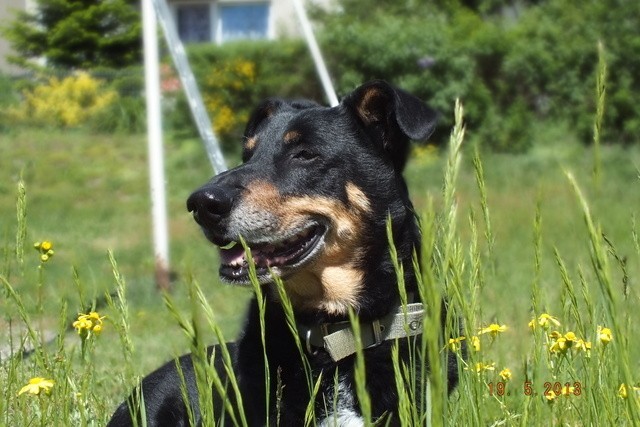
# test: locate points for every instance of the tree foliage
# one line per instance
(513, 63)
(77, 34)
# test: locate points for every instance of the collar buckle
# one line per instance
(378, 328)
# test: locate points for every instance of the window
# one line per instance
(194, 22)
(242, 21)
(221, 21)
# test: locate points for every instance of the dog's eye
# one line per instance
(304, 155)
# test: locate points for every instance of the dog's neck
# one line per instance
(342, 339)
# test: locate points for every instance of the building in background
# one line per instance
(219, 21)
(203, 21)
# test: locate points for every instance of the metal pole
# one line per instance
(321, 68)
(190, 87)
(155, 149)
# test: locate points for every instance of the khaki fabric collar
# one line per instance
(339, 341)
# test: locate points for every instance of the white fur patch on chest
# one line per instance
(342, 410)
(342, 419)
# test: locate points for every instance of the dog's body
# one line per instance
(311, 199)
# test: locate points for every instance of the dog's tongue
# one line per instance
(232, 256)
(267, 255)
(262, 256)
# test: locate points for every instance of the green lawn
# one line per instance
(88, 194)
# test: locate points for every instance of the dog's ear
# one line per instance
(391, 116)
(266, 109)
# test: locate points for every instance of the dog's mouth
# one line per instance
(281, 257)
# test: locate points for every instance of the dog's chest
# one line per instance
(341, 408)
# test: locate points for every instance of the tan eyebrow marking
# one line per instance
(250, 143)
(292, 136)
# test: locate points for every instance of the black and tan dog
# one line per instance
(311, 200)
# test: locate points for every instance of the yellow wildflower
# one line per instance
(37, 385)
(567, 390)
(88, 323)
(559, 345)
(605, 335)
(544, 320)
(454, 343)
(550, 396)
(475, 343)
(582, 345)
(622, 391)
(570, 338)
(555, 335)
(505, 374)
(480, 367)
(45, 248)
(493, 329)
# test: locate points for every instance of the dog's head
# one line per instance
(313, 193)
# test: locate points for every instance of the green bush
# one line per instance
(559, 41)
(436, 57)
(128, 114)
(9, 98)
(510, 65)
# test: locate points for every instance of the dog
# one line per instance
(311, 200)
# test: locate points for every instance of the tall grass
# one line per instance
(575, 363)
(589, 381)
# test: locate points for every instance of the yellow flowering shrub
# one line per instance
(65, 103)
(226, 89)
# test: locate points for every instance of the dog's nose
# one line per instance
(209, 205)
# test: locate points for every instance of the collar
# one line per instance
(339, 340)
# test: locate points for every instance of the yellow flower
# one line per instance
(550, 396)
(570, 338)
(544, 320)
(45, 248)
(567, 390)
(505, 374)
(36, 385)
(622, 391)
(493, 329)
(83, 323)
(605, 335)
(88, 323)
(454, 343)
(555, 335)
(475, 343)
(582, 345)
(481, 367)
(559, 345)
